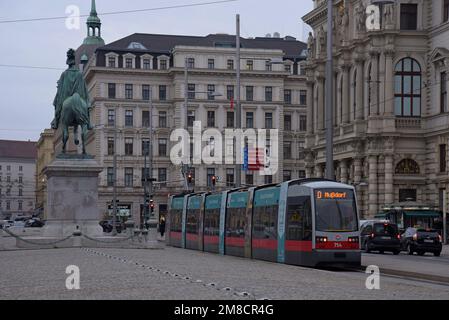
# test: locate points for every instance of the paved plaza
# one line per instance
(172, 273)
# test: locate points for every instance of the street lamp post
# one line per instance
(148, 171)
(238, 168)
(114, 214)
(329, 95)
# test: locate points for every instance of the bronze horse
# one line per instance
(72, 104)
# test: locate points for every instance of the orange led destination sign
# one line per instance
(331, 195)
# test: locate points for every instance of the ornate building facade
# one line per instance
(391, 124)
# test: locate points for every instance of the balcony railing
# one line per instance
(408, 123)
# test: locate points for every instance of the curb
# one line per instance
(413, 275)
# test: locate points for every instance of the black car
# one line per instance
(34, 223)
(380, 236)
(421, 241)
(107, 226)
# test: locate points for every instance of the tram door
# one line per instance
(211, 230)
(193, 222)
(236, 223)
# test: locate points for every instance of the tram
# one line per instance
(308, 222)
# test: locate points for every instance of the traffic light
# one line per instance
(151, 205)
(190, 178)
(214, 180)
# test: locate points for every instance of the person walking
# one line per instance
(162, 226)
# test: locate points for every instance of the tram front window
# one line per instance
(335, 210)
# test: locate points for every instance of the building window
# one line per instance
(303, 97)
(249, 93)
(287, 122)
(210, 174)
(446, 11)
(268, 66)
(162, 119)
(268, 179)
(249, 179)
(211, 119)
(407, 166)
(146, 92)
(302, 123)
(191, 91)
(443, 158)
(287, 175)
(443, 93)
(129, 146)
(129, 63)
(8, 191)
(162, 92)
(249, 65)
(163, 64)
(230, 92)
(230, 64)
(128, 91)
(250, 119)
(111, 91)
(268, 94)
(191, 63)
(302, 174)
(20, 179)
(230, 177)
(145, 119)
(8, 205)
(129, 118)
(288, 96)
(287, 150)
(190, 118)
(8, 168)
(407, 195)
(409, 16)
(147, 64)
(162, 176)
(288, 68)
(210, 91)
(20, 168)
(20, 192)
(111, 118)
(211, 64)
(268, 120)
(8, 179)
(230, 119)
(111, 145)
(408, 88)
(129, 177)
(162, 147)
(145, 146)
(111, 62)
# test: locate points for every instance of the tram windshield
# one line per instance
(335, 210)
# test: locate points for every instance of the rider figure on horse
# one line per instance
(71, 83)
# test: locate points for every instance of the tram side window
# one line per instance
(299, 219)
(235, 222)
(211, 222)
(265, 222)
(175, 221)
(192, 221)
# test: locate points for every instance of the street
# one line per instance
(173, 273)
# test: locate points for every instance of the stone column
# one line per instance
(359, 113)
(343, 171)
(357, 170)
(345, 94)
(318, 171)
(372, 187)
(389, 84)
(389, 197)
(374, 83)
(310, 106)
(320, 107)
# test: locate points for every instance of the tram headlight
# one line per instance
(321, 239)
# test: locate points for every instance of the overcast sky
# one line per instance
(26, 95)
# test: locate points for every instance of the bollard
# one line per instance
(77, 237)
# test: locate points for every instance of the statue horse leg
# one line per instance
(75, 135)
(65, 137)
(84, 129)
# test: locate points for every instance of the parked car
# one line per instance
(380, 236)
(107, 226)
(421, 241)
(34, 223)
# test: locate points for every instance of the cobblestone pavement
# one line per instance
(183, 274)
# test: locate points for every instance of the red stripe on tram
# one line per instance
(235, 242)
(338, 245)
(265, 244)
(301, 246)
(176, 235)
(211, 239)
(191, 237)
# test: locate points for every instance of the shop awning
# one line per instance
(423, 213)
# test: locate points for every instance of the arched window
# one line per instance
(407, 166)
(407, 88)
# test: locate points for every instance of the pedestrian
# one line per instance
(162, 226)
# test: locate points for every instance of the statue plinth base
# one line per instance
(72, 197)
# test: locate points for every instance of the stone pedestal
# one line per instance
(72, 197)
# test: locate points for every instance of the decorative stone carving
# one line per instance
(311, 46)
(389, 13)
(360, 18)
(343, 25)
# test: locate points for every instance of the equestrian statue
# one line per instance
(72, 104)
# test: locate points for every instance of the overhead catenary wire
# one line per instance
(180, 6)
